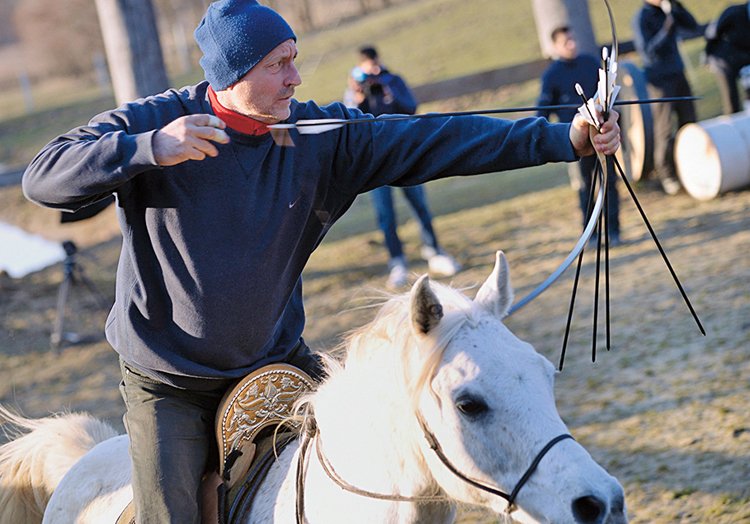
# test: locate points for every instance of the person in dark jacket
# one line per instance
(656, 28)
(558, 88)
(218, 223)
(376, 90)
(728, 51)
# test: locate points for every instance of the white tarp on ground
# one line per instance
(22, 253)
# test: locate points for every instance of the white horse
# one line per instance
(435, 404)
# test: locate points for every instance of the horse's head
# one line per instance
(486, 404)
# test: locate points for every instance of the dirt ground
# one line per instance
(665, 410)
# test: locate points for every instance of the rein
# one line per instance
(311, 432)
(334, 476)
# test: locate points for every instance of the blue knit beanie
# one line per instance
(234, 36)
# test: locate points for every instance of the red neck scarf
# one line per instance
(243, 124)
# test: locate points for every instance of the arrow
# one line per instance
(322, 125)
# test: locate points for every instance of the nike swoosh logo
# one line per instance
(292, 204)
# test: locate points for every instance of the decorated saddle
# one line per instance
(263, 399)
(252, 425)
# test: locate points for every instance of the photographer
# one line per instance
(373, 89)
(376, 90)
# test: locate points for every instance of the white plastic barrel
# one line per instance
(713, 156)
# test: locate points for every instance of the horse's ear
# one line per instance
(426, 310)
(496, 294)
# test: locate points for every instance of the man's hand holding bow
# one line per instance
(606, 140)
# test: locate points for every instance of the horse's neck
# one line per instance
(370, 436)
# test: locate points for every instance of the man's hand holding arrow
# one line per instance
(605, 141)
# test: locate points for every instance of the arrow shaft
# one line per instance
(497, 111)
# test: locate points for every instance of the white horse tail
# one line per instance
(36, 457)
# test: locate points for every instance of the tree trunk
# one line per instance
(550, 14)
(305, 15)
(131, 40)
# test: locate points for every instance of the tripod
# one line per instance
(73, 275)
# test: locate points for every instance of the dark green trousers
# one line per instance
(172, 441)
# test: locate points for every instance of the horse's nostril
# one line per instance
(589, 510)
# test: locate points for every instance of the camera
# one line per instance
(372, 87)
(370, 84)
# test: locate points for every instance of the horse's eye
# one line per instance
(471, 407)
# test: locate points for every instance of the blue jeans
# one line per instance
(382, 199)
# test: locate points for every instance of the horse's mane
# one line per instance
(389, 336)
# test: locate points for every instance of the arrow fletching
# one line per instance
(313, 126)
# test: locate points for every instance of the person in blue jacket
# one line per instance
(728, 53)
(218, 223)
(558, 88)
(376, 90)
(656, 28)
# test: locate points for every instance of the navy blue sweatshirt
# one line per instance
(209, 278)
(657, 43)
(559, 85)
(728, 37)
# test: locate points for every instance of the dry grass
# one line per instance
(665, 410)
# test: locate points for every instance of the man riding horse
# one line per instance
(218, 223)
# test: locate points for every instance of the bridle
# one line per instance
(511, 498)
(311, 432)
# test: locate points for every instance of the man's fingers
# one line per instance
(206, 120)
(607, 139)
(208, 127)
(190, 137)
(611, 122)
(211, 133)
(205, 147)
(607, 145)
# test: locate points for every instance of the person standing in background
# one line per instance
(728, 52)
(655, 30)
(374, 89)
(558, 88)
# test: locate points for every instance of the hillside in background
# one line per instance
(424, 40)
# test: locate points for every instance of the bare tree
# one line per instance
(131, 40)
(550, 14)
(7, 30)
(304, 12)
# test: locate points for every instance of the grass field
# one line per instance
(665, 410)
